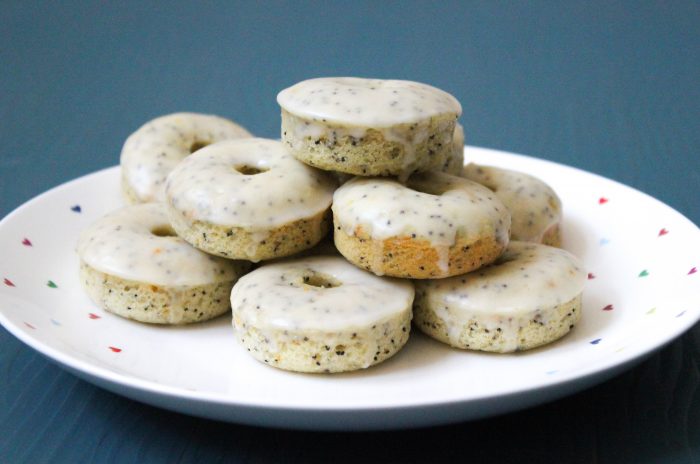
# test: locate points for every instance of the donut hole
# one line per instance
(248, 170)
(198, 144)
(164, 230)
(317, 279)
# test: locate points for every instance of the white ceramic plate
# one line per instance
(643, 291)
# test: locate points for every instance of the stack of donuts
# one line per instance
(220, 220)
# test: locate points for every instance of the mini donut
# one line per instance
(368, 127)
(133, 265)
(320, 314)
(249, 199)
(535, 208)
(151, 152)
(435, 226)
(454, 164)
(529, 297)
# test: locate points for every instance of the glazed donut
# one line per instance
(435, 226)
(454, 164)
(249, 199)
(151, 152)
(368, 127)
(320, 314)
(133, 265)
(529, 297)
(534, 207)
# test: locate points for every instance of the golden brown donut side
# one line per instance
(415, 258)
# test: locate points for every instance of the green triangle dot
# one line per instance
(51, 284)
(644, 273)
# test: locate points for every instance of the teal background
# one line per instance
(611, 87)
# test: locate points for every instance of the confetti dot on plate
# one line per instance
(8, 282)
(30, 326)
(591, 276)
(51, 284)
(608, 307)
(602, 200)
(644, 273)
(76, 209)
(27, 242)
(595, 342)
(552, 372)
(115, 349)
(680, 314)
(55, 322)
(663, 232)
(93, 316)
(604, 241)
(692, 271)
(651, 311)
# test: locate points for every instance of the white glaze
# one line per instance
(275, 296)
(207, 187)
(358, 102)
(433, 206)
(527, 279)
(455, 162)
(534, 206)
(151, 152)
(123, 244)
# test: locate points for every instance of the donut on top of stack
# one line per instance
(368, 127)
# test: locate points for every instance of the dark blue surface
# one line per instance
(610, 87)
